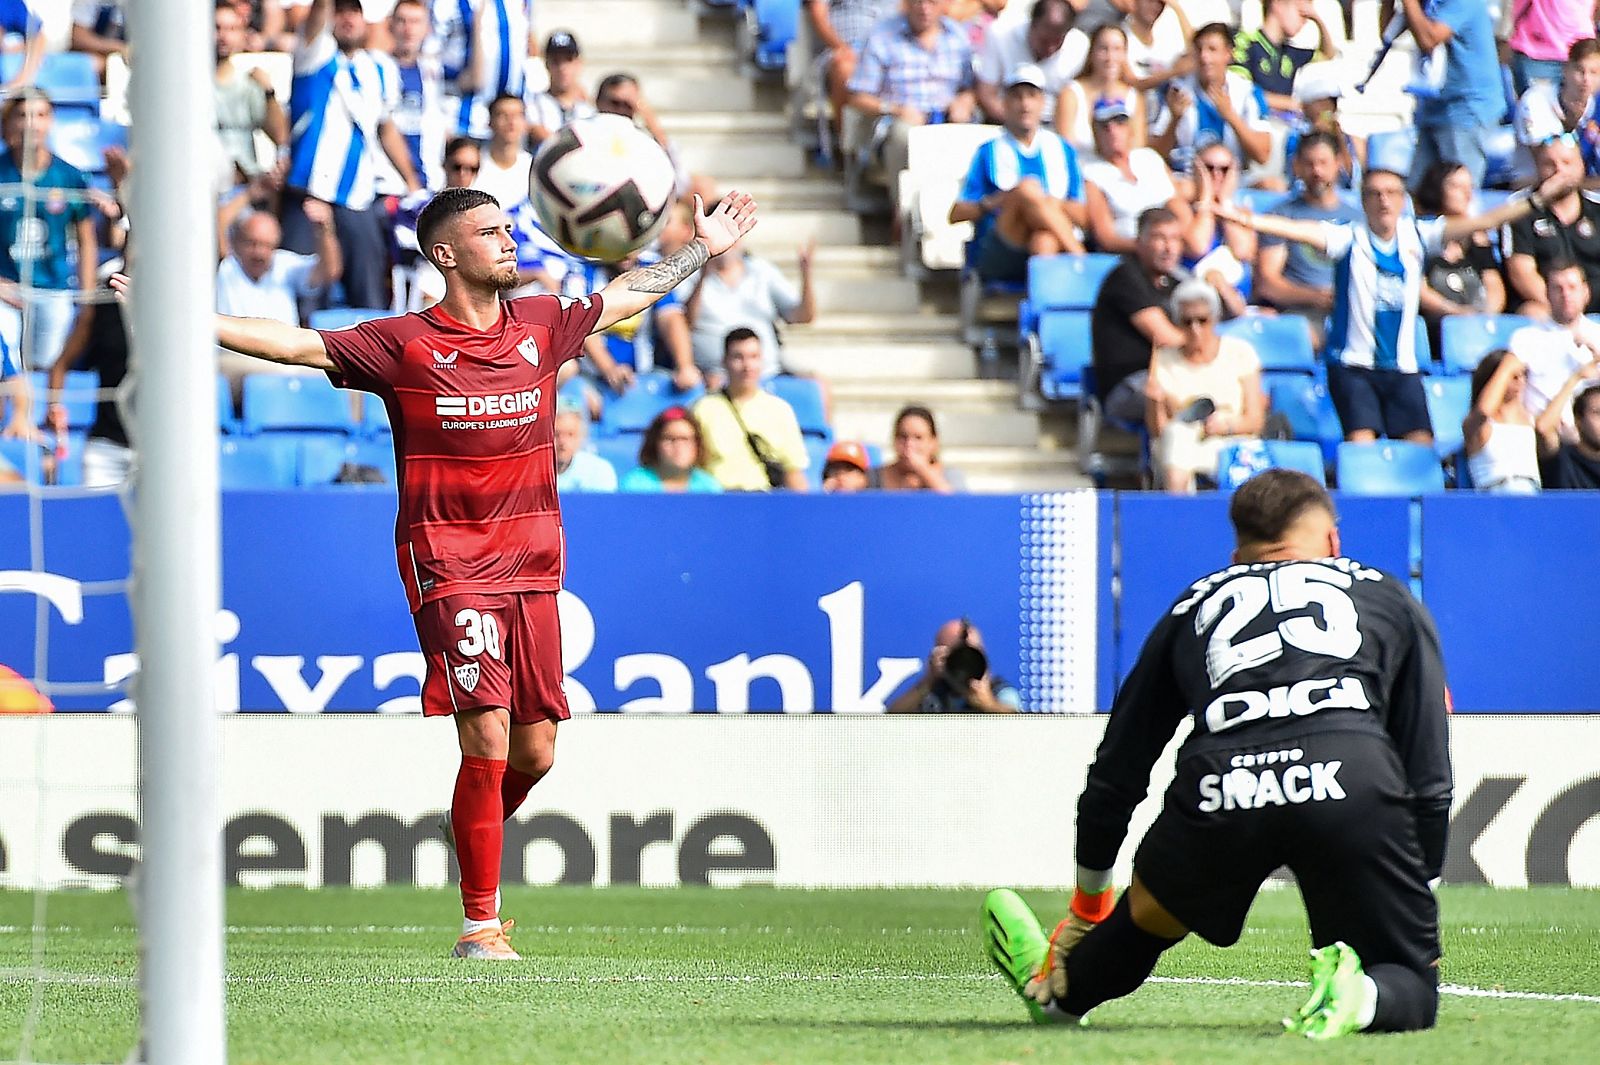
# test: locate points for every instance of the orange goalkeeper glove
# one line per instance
(1086, 911)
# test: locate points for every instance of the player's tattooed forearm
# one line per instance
(664, 276)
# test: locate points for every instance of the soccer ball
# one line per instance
(601, 187)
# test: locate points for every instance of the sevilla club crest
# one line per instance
(467, 676)
(529, 350)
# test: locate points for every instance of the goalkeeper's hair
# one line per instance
(1266, 505)
(442, 209)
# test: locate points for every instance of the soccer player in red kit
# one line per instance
(470, 387)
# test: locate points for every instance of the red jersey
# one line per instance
(473, 439)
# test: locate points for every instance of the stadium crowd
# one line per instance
(1159, 131)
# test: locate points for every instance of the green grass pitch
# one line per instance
(760, 975)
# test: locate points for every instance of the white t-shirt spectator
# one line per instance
(508, 184)
(108, 18)
(1006, 47)
(1551, 352)
(337, 157)
(546, 111)
(274, 296)
(760, 299)
(1151, 187)
(587, 472)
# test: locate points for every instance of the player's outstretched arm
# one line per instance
(260, 337)
(714, 233)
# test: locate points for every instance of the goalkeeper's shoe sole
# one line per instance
(487, 944)
(1338, 993)
(1016, 944)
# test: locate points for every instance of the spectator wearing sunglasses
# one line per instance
(1549, 111)
(671, 457)
(1203, 394)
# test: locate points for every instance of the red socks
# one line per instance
(478, 819)
(513, 790)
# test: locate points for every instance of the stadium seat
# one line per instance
(258, 462)
(79, 393)
(1282, 342)
(1306, 403)
(1067, 282)
(81, 139)
(1449, 399)
(803, 394)
(1064, 351)
(1467, 338)
(274, 403)
(1261, 201)
(769, 27)
(344, 317)
(937, 161)
(1389, 468)
(375, 419)
(319, 457)
(68, 77)
(635, 409)
(622, 450)
(227, 418)
(1391, 150)
(1239, 462)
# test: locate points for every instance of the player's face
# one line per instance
(1569, 294)
(480, 250)
(230, 33)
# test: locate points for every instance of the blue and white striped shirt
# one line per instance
(1001, 164)
(497, 51)
(1376, 289)
(336, 105)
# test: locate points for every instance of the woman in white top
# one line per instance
(1203, 396)
(1104, 77)
(1122, 182)
(1158, 47)
(1502, 455)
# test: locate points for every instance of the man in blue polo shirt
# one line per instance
(1468, 102)
(47, 242)
(1023, 190)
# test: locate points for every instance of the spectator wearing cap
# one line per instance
(245, 102)
(1104, 78)
(752, 438)
(1454, 116)
(916, 69)
(577, 469)
(566, 98)
(1049, 41)
(1123, 182)
(341, 110)
(1295, 278)
(1268, 58)
(671, 457)
(1215, 103)
(848, 468)
(506, 163)
(48, 248)
(419, 111)
(1319, 91)
(1565, 227)
(1542, 34)
(19, 17)
(1023, 189)
(1570, 108)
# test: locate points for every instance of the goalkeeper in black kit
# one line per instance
(1320, 742)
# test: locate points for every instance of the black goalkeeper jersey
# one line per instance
(1262, 653)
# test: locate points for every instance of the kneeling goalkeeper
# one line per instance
(1320, 742)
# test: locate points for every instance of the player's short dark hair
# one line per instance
(503, 97)
(1155, 216)
(446, 205)
(1215, 29)
(1266, 505)
(737, 336)
(1317, 138)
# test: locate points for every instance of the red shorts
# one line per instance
(493, 651)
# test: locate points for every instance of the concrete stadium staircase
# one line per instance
(880, 340)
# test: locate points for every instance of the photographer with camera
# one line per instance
(957, 680)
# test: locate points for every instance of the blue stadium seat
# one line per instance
(29, 459)
(227, 418)
(68, 77)
(1262, 201)
(374, 418)
(622, 450)
(1391, 150)
(635, 409)
(1064, 343)
(258, 462)
(1389, 468)
(1467, 338)
(1306, 403)
(1283, 342)
(1067, 282)
(775, 24)
(81, 139)
(343, 317)
(1238, 462)
(274, 403)
(320, 457)
(1449, 399)
(816, 458)
(804, 394)
(78, 393)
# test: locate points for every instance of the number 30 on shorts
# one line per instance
(481, 632)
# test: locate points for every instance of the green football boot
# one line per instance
(1338, 995)
(1015, 942)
